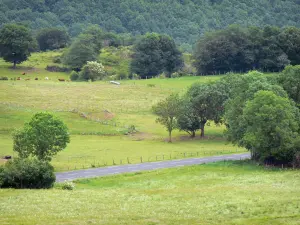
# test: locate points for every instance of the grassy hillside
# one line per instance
(98, 114)
(220, 193)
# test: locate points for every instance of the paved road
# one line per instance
(106, 171)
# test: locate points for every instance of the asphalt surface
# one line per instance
(112, 170)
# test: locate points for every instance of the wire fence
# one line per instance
(85, 162)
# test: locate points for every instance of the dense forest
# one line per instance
(183, 20)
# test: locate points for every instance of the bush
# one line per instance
(65, 185)
(92, 71)
(175, 75)
(27, 173)
(122, 75)
(3, 78)
(74, 76)
(54, 68)
(57, 59)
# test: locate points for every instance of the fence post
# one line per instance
(156, 158)
(163, 157)
(141, 159)
(184, 154)
(128, 160)
(114, 162)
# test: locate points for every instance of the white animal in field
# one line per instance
(46, 78)
(115, 82)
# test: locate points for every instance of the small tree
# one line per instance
(207, 103)
(188, 120)
(52, 38)
(16, 43)
(92, 71)
(167, 112)
(43, 137)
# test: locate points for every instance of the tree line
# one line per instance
(183, 20)
(260, 113)
(234, 49)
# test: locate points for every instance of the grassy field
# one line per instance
(98, 114)
(217, 193)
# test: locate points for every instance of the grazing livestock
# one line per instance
(46, 78)
(62, 80)
(19, 78)
(27, 79)
(7, 157)
(24, 73)
(36, 78)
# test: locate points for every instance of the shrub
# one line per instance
(74, 76)
(67, 185)
(122, 75)
(175, 75)
(27, 173)
(92, 71)
(57, 59)
(3, 78)
(54, 68)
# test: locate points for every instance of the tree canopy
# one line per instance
(52, 38)
(16, 43)
(183, 20)
(43, 137)
(155, 54)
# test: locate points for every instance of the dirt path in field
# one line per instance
(112, 170)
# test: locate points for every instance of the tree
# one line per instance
(43, 137)
(16, 43)
(167, 112)
(52, 38)
(92, 71)
(289, 79)
(188, 120)
(207, 103)
(155, 54)
(82, 50)
(271, 128)
(243, 89)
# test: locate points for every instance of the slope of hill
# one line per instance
(184, 20)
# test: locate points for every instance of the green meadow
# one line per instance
(216, 193)
(98, 114)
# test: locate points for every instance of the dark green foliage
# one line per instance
(3, 78)
(242, 49)
(155, 54)
(271, 128)
(188, 120)
(83, 49)
(43, 137)
(207, 102)
(16, 43)
(27, 173)
(184, 20)
(290, 81)
(54, 68)
(74, 76)
(52, 38)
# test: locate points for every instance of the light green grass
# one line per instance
(222, 193)
(87, 107)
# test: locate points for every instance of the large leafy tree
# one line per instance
(52, 38)
(243, 89)
(167, 111)
(82, 50)
(289, 79)
(270, 125)
(16, 43)
(207, 103)
(43, 137)
(155, 54)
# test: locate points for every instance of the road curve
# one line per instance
(112, 170)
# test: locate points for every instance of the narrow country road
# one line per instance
(106, 171)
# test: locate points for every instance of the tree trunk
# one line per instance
(193, 134)
(170, 136)
(15, 65)
(202, 125)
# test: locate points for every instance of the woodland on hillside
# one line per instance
(183, 20)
